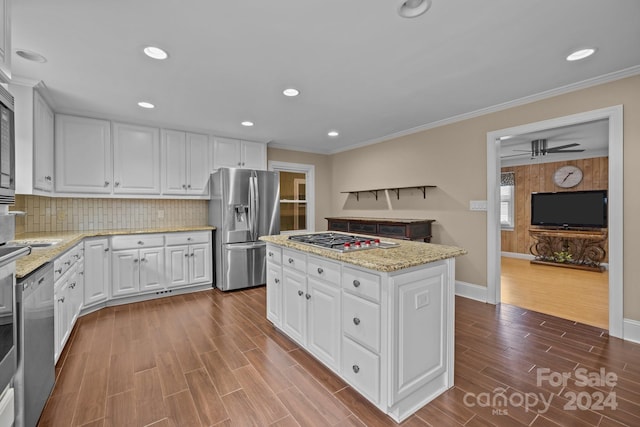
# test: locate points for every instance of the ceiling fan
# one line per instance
(539, 147)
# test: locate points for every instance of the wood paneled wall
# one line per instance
(539, 178)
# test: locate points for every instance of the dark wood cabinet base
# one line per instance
(395, 228)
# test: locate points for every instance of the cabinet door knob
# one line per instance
(188, 185)
(356, 321)
(290, 260)
(106, 249)
(186, 255)
(117, 184)
(356, 283)
(239, 164)
(106, 183)
(67, 263)
(356, 368)
(189, 239)
(320, 270)
(140, 242)
(143, 260)
(308, 296)
(276, 280)
(58, 270)
(72, 285)
(270, 253)
(135, 260)
(47, 178)
(184, 186)
(193, 254)
(61, 299)
(300, 293)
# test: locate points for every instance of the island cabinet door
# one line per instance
(420, 325)
(274, 294)
(294, 304)
(323, 322)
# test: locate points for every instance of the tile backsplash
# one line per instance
(49, 214)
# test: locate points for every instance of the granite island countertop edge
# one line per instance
(407, 254)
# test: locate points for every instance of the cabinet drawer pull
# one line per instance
(320, 270)
(290, 260)
(356, 368)
(300, 293)
(140, 242)
(189, 239)
(356, 283)
(356, 321)
(276, 280)
(40, 280)
(308, 296)
(270, 253)
(58, 270)
(72, 285)
(67, 263)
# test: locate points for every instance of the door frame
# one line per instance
(309, 171)
(614, 115)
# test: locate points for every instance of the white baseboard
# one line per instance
(517, 255)
(471, 291)
(631, 330)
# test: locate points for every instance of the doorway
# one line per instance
(297, 196)
(615, 136)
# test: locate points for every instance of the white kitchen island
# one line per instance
(381, 319)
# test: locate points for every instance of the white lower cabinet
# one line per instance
(68, 294)
(389, 335)
(97, 270)
(188, 258)
(137, 263)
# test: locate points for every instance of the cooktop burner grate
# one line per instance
(341, 242)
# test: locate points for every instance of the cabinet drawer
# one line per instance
(399, 231)
(188, 238)
(63, 263)
(338, 225)
(361, 283)
(294, 259)
(136, 241)
(274, 254)
(358, 227)
(361, 321)
(323, 269)
(361, 368)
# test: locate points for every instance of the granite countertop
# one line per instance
(68, 239)
(407, 254)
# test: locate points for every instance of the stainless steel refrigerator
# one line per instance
(244, 206)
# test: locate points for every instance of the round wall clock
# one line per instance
(567, 176)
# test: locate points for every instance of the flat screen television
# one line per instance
(570, 209)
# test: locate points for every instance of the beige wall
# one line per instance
(453, 157)
(323, 178)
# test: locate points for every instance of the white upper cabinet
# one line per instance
(43, 120)
(254, 155)
(83, 162)
(185, 164)
(234, 153)
(5, 40)
(136, 154)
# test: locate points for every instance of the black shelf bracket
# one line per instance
(421, 188)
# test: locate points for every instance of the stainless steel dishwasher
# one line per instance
(35, 376)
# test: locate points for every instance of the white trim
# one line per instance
(471, 291)
(517, 255)
(309, 170)
(616, 145)
(632, 330)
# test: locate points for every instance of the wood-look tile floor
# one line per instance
(211, 358)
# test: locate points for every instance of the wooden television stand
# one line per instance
(585, 247)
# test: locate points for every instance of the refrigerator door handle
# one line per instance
(253, 206)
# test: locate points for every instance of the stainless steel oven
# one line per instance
(7, 147)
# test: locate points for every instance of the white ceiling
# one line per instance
(362, 69)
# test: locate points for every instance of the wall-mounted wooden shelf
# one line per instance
(422, 188)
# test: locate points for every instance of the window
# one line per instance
(507, 194)
(296, 196)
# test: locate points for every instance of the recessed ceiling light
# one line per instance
(581, 54)
(247, 123)
(145, 104)
(413, 8)
(155, 52)
(333, 133)
(30, 56)
(291, 92)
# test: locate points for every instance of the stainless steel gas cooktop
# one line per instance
(341, 242)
